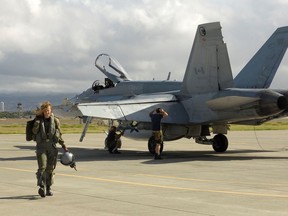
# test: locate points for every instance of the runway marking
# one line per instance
(208, 180)
(158, 186)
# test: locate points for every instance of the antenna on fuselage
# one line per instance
(168, 77)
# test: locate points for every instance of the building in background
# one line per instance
(2, 107)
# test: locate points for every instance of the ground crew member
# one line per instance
(113, 140)
(156, 117)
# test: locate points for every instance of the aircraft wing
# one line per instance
(137, 108)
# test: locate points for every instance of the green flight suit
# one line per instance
(47, 133)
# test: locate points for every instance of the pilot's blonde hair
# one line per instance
(44, 105)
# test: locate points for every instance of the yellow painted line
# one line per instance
(210, 180)
(159, 186)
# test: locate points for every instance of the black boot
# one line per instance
(48, 191)
(158, 157)
(41, 191)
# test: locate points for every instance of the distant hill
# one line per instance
(30, 101)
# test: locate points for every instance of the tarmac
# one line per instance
(251, 178)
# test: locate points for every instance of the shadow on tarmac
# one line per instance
(25, 197)
(86, 154)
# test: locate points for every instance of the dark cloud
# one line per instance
(52, 45)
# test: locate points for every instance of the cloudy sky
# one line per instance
(51, 45)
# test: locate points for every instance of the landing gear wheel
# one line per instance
(152, 145)
(220, 143)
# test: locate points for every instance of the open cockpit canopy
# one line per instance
(111, 68)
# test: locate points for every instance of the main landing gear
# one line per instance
(152, 145)
(219, 142)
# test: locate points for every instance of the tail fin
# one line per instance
(208, 68)
(260, 70)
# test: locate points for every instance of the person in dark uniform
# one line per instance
(113, 140)
(108, 83)
(47, 134)
(156, 117)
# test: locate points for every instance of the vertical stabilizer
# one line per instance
(260, 70)
(208, 68)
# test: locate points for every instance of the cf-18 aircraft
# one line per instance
(204, 103)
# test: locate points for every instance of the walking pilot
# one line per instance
(47, 133)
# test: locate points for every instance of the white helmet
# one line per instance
(68, 159)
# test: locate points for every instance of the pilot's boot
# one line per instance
(48, 191)
(49, 182)
(40, 183)
(41, 191)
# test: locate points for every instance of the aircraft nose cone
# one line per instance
(282, 102)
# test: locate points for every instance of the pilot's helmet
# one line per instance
(68, 159)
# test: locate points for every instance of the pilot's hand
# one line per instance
(36, 125)
(65, 148)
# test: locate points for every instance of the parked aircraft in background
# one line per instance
(205, 102)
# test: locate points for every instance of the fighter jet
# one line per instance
(204, 103)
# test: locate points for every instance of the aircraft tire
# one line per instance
(220, 143)
(152, 145)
